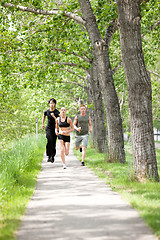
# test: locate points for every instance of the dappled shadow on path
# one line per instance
(75, 204)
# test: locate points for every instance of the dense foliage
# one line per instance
(45, 56)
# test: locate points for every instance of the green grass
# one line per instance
(19, 167)
(144, 197)
(21, 163)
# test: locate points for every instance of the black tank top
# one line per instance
(63, 124)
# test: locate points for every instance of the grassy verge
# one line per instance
(144, 197)
(19, 167)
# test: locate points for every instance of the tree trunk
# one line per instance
(99, 130)
(91, 114)
(139, 90)
(114, 122)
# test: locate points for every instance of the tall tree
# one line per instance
(99, 129)
(101, 54)
(139, 89)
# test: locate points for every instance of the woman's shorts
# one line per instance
(64, 138)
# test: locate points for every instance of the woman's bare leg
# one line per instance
(62, 150)
(67, 146)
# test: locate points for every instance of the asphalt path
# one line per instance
(74, 204)
(157, 145)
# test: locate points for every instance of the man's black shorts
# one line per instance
(64, 138)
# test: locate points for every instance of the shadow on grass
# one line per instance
(9, 226)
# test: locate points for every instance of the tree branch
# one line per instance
(74, 53)
(29, 36)
(116, 68)
(120, 64)
(76, 83)
(20, 73)
(54, 49)
(154, 73)
(152, 27)
(7, 112)
(69, 64)
(10, 51)
(67, 70)
(155, 25)
(110, 31)
(141, 1)
(45, 12)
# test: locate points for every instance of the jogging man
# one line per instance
(52, 113)
(82, 125)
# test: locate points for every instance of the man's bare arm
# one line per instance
(75, 123)
(90, 125)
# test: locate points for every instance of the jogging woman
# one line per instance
(64, 126)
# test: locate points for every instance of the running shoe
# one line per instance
(64, 166)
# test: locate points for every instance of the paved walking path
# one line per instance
(157, 145)
(74, 204)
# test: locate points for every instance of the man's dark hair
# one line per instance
(53, 100)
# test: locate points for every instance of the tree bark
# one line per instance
(99, 129)
(91, 114)
(101, 54)
(139, 90)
